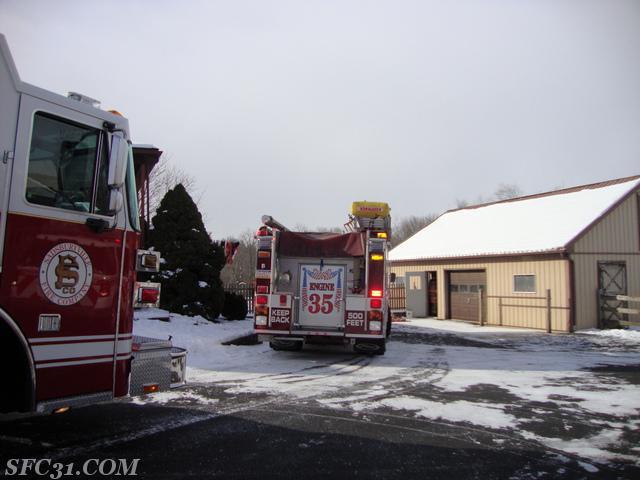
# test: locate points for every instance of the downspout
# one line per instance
(571, 288)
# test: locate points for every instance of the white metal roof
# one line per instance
(535, 224)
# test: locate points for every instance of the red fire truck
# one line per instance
(325, 288)
(69, 232)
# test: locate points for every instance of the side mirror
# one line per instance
(118, 160)
(392, 277)
(116, 200)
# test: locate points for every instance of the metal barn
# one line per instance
(553, 261)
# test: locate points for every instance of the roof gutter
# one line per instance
(559, 253)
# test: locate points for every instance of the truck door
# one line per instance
(60, 277)
(322, 295)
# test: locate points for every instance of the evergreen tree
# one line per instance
(190, 272)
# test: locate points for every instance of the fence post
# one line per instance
(500, 311)
(480, 307)
(548, 311)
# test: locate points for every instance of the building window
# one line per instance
(524, 283)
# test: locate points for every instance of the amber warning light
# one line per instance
(151, 388)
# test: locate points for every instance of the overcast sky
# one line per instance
(297, 108)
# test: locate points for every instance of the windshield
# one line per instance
(132, 196)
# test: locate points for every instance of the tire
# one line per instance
(372, 347)
(294, 346)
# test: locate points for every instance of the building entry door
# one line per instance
(416, 292)
(612, 281)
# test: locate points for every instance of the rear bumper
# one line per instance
(268, 335)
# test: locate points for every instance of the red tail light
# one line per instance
(149, 295)
(376, 303)
(262, 300)
(262, 289)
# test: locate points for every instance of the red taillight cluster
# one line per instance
(262, 300)
(375, 303)
(146, 294)
(149, 295)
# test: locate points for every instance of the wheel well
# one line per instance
(18, 379)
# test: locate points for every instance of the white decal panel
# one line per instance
(322, 295)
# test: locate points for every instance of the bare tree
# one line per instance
(164, 177)
(506, 191)
(408, 226)
(243, 267)
(328, 229)
(503, 191)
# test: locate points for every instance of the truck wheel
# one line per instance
(371, 347)
(286, 346)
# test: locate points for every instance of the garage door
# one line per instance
(464, 297)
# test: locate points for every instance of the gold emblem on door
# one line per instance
(66, 273)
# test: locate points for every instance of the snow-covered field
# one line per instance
(575, 394)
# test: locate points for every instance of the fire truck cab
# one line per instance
(325, 288)
(69, 232)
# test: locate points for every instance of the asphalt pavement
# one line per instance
(265, 434)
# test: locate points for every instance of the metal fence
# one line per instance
(540, 303)
(247, 291)
(397, 298)
(615, 311)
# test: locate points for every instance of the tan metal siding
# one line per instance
(618, 232)
(586, 284)
(615, 238)
(550, 274)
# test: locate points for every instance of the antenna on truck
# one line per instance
(269, 221)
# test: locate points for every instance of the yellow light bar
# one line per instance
(382, 234)
(376, 257)
(370, 209)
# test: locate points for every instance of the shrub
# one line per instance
(235, 306)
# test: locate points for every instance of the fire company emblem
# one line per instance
(66, 274)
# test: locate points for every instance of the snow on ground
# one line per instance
(453, 327)
(178, 396)
(627, 336)
(550, 389)
(202, 339)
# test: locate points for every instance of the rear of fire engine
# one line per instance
(69, 233)
(325, 288)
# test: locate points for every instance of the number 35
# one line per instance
(318, 304)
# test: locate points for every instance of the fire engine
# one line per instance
(69, 234)
(325, 288)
